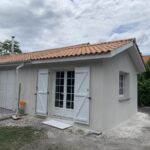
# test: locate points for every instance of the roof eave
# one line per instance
(73, 58)
(13, 64)
(135, 54)
(121, 49)
(103, 55)
(139, 60)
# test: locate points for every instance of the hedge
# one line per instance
(144, 87)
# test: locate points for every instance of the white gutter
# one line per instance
(68, 59)
(17, 85)
(8, 65)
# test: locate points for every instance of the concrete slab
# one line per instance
(5, 113)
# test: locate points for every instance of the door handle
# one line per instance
(48, 92)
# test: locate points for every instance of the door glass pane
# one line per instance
(58, 74)
(62, 82)
(68, 96)
(70, 90)
(69, 74)
(62, 74)
(69, 81)
(57, 96)
(57, 81)
(59, 89)
(61, 96)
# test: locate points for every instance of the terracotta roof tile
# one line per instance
(70, 51)
(146, 58)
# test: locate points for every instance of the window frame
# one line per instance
(123, 84)
(66, 78)
(72, 86)
(125, 95)
(59, 102)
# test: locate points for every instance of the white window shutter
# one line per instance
(41, 105)
(81, 95)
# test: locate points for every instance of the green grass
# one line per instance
(13, 138)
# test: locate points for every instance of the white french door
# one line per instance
(64, 93)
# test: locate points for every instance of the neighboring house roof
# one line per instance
(146, 58)
(70, 51)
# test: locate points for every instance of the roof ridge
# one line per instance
(114, 41)
(84, 45)
(65, 47)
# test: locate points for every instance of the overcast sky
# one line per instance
(43, 24)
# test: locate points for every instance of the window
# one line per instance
(121, 84)
(70, 90)
(64, 89)
(124, 85)
(59, 90)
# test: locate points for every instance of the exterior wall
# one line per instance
(115, 111)
(28, 79)
(8, 97)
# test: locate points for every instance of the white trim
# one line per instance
(122, 99)
(65, 90)
(121, 49)
(139, 62)
(74, 58)
(88, 57)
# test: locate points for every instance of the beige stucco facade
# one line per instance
(116, 110)
(106, 108)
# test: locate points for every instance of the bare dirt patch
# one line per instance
(134, 134)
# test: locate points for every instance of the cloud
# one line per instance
(53, 23)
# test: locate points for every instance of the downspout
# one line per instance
(17, 85)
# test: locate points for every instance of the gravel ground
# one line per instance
(133, 134)
(5, 113)
(24, 121)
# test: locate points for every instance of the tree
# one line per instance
(144, 87)
(5, 47)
